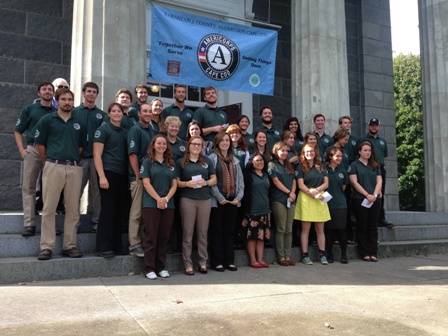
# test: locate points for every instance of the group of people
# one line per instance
(192, 178)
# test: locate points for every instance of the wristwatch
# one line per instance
(376, 195)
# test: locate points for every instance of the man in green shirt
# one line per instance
(92, 117)
(139, 138)
(323, 140)
(141, 95)
(32, 162)
(273, 134)
(210, 117)
(60, 139)
(178, 109)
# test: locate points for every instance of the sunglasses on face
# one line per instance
(62, 86)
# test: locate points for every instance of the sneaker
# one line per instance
(323, 260)
(152, 276)
(29, 231)
(164, 274)
(137, 252)
(307, 261)
(72, 253)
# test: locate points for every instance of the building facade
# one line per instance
(333, 58)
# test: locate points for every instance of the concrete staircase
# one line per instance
(414, 233)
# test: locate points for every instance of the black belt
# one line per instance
(65, 162)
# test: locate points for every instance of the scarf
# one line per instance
(228, 174)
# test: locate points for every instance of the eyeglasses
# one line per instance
(62, 86)
(196, 144)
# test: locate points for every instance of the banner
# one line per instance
(198, 51)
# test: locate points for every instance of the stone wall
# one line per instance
(280, 14)
(35, 47)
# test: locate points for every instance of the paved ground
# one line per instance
(397, 296)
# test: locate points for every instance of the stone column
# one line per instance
(319, 62)
(434, 58)
(108, 46)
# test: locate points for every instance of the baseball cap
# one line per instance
(374, 121)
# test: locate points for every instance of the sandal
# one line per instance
(189, 271)
(367, 258)
(202, 269)
(373, 258)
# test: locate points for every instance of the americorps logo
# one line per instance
(218, 56)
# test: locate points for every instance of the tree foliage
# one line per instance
(409, 126)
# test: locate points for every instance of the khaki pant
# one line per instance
(32, 165)
(55, 178)
(89, 174)
(136, 230)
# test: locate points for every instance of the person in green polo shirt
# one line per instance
(32, 162)
(365, 177)
(178, 109)
(335, 228)
(159, 181)
(210, 117)
(111, 162)
(60, 138)
(195, 177)
(124, 98)
(141, 96)
(273, 135)
(257, 222)
(324, 140)
(243, 123)
(92, 117)
(312, 181)
(139, 138)
(283, 199)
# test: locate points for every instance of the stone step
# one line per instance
(416, 218)
(27, 269)
(14, 245)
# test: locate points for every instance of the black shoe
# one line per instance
(344, 259)
(72, 253)
(121, 251)
(202, 269)
(219, 269)
(232, 268)
(385, 223)
(330, 259)
(29, 231)
(106, 254)
(44, 255)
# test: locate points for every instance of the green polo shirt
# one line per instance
(161, 178)
(185, 116)
(208, 117)
(352, 148)
(92, 119)
(178, 148)
(128, 121)
(240, 155)
(133, 111)
(61, 139)
(115, 156)
(313, 179)
(249, 141)
(276, 169)
(297, 146)
(337, 179)
(273, 135)
(379, 145)
(260, 194)
(324, 142)
(28, 119)
(366, 177)
(139, 138)
(192, 169)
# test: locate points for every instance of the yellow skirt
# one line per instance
(309, 209)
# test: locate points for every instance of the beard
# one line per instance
(266, 121)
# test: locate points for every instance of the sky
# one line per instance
(404, 22)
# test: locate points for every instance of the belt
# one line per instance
(32, 144)
(65, 162)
